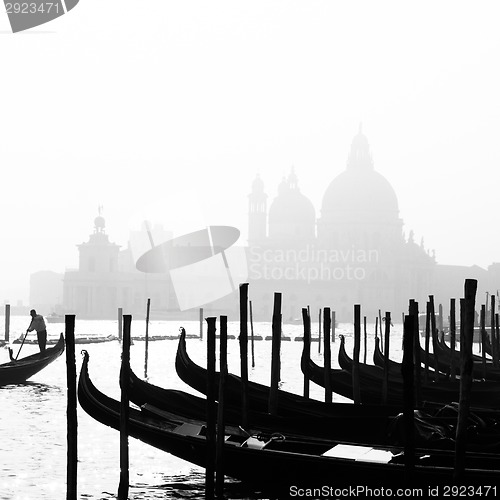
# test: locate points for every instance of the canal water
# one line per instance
(33, 415)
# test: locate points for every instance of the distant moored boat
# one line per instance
(55, 318)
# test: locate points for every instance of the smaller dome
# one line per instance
(291, 213)
(291, 206)
(99, 222)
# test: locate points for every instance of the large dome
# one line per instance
(360, 192)
(363, 192)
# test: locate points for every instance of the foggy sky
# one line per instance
(173, 107)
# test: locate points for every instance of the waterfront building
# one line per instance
(354, 251)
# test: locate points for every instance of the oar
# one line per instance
(24, 338)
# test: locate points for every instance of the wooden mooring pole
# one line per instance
(201, 323)
(244, 353)
(124, 410)
(440, 320)
(453, 340)
(493, 333)
(434, 338)
(71, 412)
(252, 340)
(220, 435)
(403, 323)
(380, 326)
(427, 340)
(120, 323)
(211, 410)
(7, 322)
(306, 353)
(334, 321)
(466, 364)
(483, 338)
(385, 384)
(486, 307)
(319, 330)
(462, 322)
(275, 355)
(417, 383)
(327, 354)
(146, 340)
(365, 340)
(355, 367)
(408, 397)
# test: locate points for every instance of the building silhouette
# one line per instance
(107, 279)
(353, 251)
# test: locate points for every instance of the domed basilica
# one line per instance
(352, 252)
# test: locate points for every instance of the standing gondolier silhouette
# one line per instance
(38, 324)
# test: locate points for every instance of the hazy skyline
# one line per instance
(172, 108)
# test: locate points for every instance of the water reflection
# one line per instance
(190, 486)
(34, 387)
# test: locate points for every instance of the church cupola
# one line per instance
(360, 156)
(98, 255)
(293, 182)
(99, 222)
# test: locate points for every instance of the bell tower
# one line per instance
(98, 255)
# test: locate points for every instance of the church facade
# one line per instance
(106, 279)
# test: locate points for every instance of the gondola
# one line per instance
(293, 405)
(428, 360)
(435, 429)
(289, 404)
(481, 369)
(443, 361)
(279, 462)
(444, 354)
(341, 382)
(477, 358)
(18, 371)
(379, 359)
(395, 367)
(484, 394)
